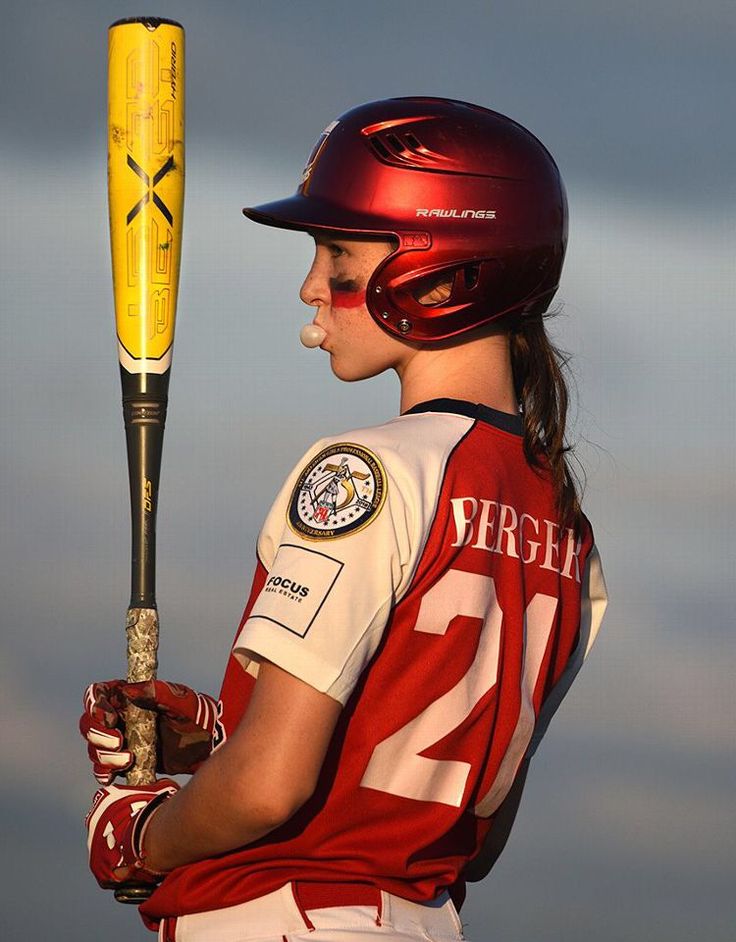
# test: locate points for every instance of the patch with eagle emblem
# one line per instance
(339, 492)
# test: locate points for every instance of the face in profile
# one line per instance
(336, 287)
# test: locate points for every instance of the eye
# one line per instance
(336, 251)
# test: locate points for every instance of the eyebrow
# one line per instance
(325, 237)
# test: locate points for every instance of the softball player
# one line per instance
(425, 590)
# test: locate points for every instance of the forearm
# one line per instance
(209, 816)
(255, 782)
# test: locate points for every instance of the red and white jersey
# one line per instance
(416, 572)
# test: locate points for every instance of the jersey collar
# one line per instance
(473, 410)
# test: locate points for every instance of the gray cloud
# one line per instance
(628, 96)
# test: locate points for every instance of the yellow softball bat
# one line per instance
(145, 186)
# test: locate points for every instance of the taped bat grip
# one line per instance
(141, 629)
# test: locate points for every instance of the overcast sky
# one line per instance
(626, 827)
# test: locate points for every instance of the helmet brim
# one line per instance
(298, 212)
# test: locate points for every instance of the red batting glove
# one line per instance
(102, 725)
(116, 825)
(188, 722)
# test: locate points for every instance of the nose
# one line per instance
(315, 290)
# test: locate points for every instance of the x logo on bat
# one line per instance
(151, 194)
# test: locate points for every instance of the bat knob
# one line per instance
(133, 893)
(311, 335)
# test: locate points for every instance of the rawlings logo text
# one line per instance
(458, 213)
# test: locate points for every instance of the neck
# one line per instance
(477, 370)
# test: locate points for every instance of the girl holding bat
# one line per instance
(426, 589)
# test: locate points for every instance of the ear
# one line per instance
(434, 289)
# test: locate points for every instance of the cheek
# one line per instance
(347, 299)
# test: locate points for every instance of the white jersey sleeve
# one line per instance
(341, 545)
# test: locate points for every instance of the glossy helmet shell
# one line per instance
(466, 192)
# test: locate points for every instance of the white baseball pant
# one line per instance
(286, 915)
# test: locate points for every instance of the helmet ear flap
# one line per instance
(397, 294)
(481, 291)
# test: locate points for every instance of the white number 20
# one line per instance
(396, 765)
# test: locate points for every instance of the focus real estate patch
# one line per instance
(297, 587)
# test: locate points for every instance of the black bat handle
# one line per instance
(145, 397)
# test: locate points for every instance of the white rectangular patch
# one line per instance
(296, 588)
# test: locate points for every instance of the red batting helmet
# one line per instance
(467, 192)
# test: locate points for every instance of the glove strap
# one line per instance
(138, 833)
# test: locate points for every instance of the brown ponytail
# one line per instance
(541, 389)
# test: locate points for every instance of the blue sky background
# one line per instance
(626, 829)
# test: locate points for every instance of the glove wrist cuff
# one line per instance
(138, 831)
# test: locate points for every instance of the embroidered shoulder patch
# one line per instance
(339, 492)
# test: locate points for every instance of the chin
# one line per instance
(354, 372)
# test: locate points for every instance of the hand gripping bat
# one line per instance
(146, 198)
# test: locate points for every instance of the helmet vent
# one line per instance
(403, 148)
(471, 274)
(379, 148)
